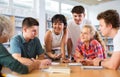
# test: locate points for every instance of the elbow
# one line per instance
(113, 67)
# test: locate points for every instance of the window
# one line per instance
(52, 6)
(24, 3)
(4, 2)
(66, 10)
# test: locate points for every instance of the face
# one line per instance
(85, 35)
(58, 27)
(30, 32)
(104, 28)
(78, 18)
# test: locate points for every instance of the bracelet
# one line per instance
(100, 62)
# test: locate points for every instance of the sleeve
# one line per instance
(116, 43)
(15, 46)
(8, 61)
(39, 48)
(77, 50)
(98, 49)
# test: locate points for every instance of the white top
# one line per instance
(74, 31)
(56, 40)
(116, 42)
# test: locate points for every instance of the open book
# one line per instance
(58, 69)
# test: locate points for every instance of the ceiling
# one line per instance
(92, 2)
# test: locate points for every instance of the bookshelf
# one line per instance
(17, 26)
(48, 25)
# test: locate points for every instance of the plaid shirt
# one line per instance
(94, 50)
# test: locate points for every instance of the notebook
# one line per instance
(92, 67)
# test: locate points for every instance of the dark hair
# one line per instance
(78, 9)
(59, 18)
(110, 17)
(29, 21)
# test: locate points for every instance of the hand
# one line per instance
(96, 61)
(86, 62)
(34, 65)
(45, 62)
(65, 60)
(57, 56)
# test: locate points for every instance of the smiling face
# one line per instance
(104, 28)
(78, 18)
(85, 35)
(58, 27)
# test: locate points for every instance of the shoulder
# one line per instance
(48, 34)
(16, 38)
(94, 42)
(70, 22)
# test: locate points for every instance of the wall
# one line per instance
(95, 10)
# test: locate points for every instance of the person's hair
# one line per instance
(59, 18)
(29, 22)
(78, 9)
(110, 17)
(96, 35)
(6, 27)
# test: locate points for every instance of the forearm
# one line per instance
(50, 54)
(25, 61)
(69, 47)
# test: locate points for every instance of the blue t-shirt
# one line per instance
(27, 49)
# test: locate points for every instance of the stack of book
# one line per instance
(58, 69)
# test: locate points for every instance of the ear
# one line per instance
(110, 26)
(24, 29)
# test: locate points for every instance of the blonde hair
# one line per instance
(6, 28)
(96, 35)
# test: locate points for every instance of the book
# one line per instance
(58, 69)
(55, 63)
(74, 64)
(92, 67)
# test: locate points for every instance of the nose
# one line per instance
(77, 17)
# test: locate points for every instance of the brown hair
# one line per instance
(78, 9)
(110, 17)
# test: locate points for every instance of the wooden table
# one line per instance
(76, 71)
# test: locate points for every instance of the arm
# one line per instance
(69, 46)
(78, 54)
(100, 52)
(48, 44)
(63, 42)
(7, 60)
(78, 57)
(112, 63)
(25, 61)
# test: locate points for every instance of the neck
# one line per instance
(113, 32)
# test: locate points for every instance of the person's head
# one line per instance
(6, 29)
(78, 13)
(30, 27)
(87, 33)
(108, 20)
(59, 23)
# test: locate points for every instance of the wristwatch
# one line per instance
(100, 62)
